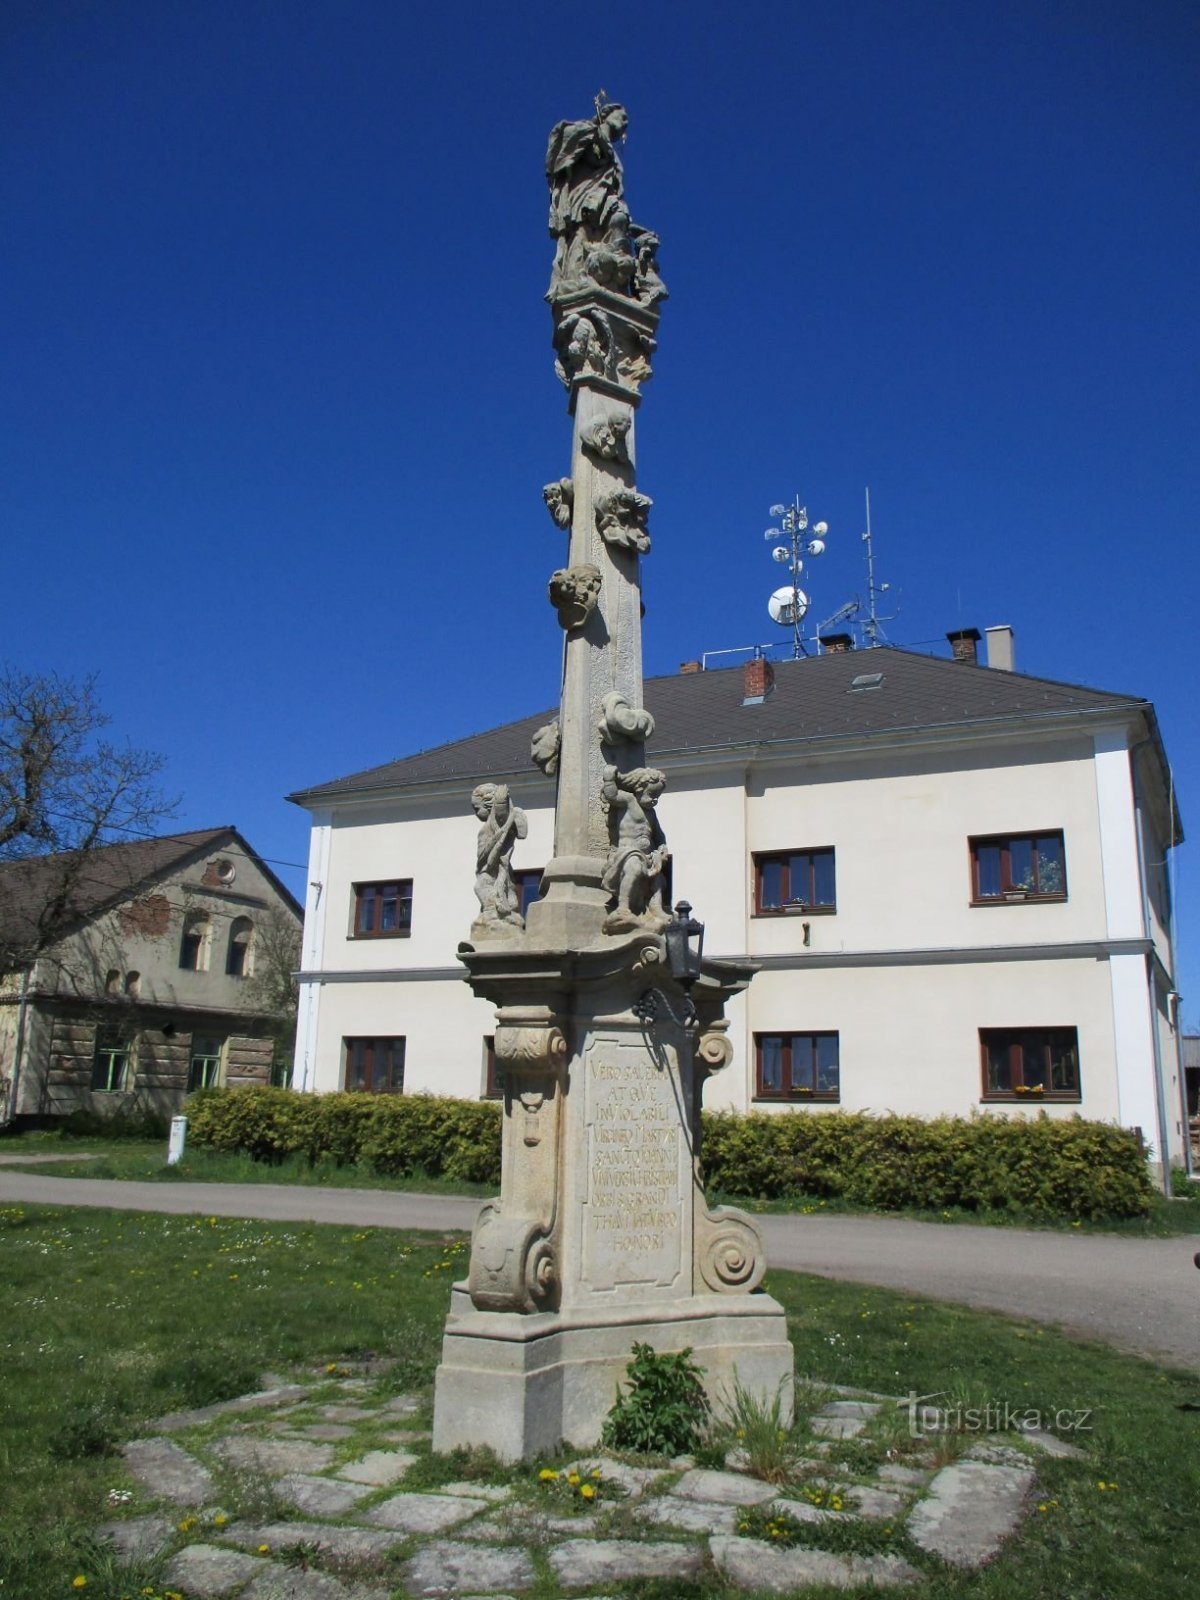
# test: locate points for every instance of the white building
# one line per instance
(952, 875)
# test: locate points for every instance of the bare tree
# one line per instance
(272, 985)
(65, 791)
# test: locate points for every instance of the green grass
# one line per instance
(112, 1318)
(145, 1161)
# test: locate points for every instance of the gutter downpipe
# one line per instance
(1160, 1093)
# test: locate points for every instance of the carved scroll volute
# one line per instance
(530, 1046)
(729, 1251)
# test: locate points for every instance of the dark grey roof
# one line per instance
(99, 879)
(813, 699)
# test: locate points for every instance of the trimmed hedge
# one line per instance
(1069, 1168)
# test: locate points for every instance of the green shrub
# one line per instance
(1046, 1166)
(665, 1409)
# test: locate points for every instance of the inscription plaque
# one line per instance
(637, 1159)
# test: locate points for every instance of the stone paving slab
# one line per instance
(320, 1497)
(634, 1480)
(424, 1513)
(893, 1472)
(348, 1413)
(477, 1491)
(401, 1405)
(378, 1468)
(204, 1571)
(137, 1538)
(580, 1563)
(971, 1509)
(1053, 1445)
(754, 1565)
(324, 1432)
(851, 1408)
(838, 1427)
(260, 1400)
(804, 1511)
(722, 1488)
(338, 1542)
(297, 1583)
(877, 1503)
(274, 1456)
(167, 1472)
(443, 1568)
(689, 1516)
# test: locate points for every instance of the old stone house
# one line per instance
(131, 974)
(953, 876)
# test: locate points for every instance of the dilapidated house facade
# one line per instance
(129, 976)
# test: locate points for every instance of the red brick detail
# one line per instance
(150, 915)
(758, 678)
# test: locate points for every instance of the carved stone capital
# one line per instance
(729, 1251)
(560, 499)
(513, 1264)
(545, 747)
(621, 723)
(621, 520)
(574, 592)
(714, 1048)
(529, 1045)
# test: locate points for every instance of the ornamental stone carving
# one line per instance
(560, 500)
(607, 435)
(729, 1251)
(633, 874)
(583, 343)
(513, 1264)
(621, 520)
(545, 746)
(574, 592)
(621, 723)
(714, 1048)
(647, 285)
(503, 823)
(528, 1045)
(589, 220)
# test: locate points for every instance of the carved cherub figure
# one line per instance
(647, 285)
(560, 498)
(633, 875)
(503, 823)
(607, 435)
(621, 520)
(545, 747)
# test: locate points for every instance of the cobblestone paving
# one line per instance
(323, 1489)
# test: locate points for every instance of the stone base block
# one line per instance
(524, 1384)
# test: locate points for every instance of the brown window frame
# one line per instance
(1017, 1041)
(1009, 893)
(787, 1092)
(790, 907)
(493, 1078)
(117, 1050)
(374, 895)
(369, 1047)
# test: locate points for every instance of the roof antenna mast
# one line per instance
(872, 623)
(788, 605)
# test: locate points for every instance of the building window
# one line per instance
(375, 1066)
(197, 941)
(1030, 1063)
(383, 910)
(1029, 866)
(528, 884)
(204, 1067)
(241, 934)
(281, 1072)
(797, 1066)
(493, 1077)
(110, 1064)
(793, 881)
(133, 984)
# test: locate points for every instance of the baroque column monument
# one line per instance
(607, 1024)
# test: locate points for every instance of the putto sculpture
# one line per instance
(560, 498)
(621, 520)
(495, 888)
(633, 874)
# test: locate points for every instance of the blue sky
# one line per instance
(279, 399)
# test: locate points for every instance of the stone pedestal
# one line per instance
(601, 1237)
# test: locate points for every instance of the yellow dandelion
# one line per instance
(79, 1582)
(220, 1519)
(548, 1475)
(573, 1479)
(595, 1472)
(588, 1491)
(264, 1549)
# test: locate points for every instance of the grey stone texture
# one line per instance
(320, 1497)
(894, 1472)
(168, 1472)
(878, 1503)
(137, 1538)
(1052, 1445)
(579, 1563)
(754, 1565)
(260, 1400)
(723, 1488)
(336, 1541)
(298, 1583)
(274, 1456)
(204, 1571)
(970, 1510)
(444, 1569)
(424, 1513)
(688, 1516)
(378, 1468)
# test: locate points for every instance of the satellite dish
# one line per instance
(777, 511)
(820, 529)
(781, 553)
(787, 606)
(816, 547)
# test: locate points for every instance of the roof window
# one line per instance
(867, 680)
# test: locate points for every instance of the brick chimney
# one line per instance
(758, 679)
(691, 666)
(965, 644)
(836, 644)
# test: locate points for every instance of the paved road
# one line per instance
(1141, 1295)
